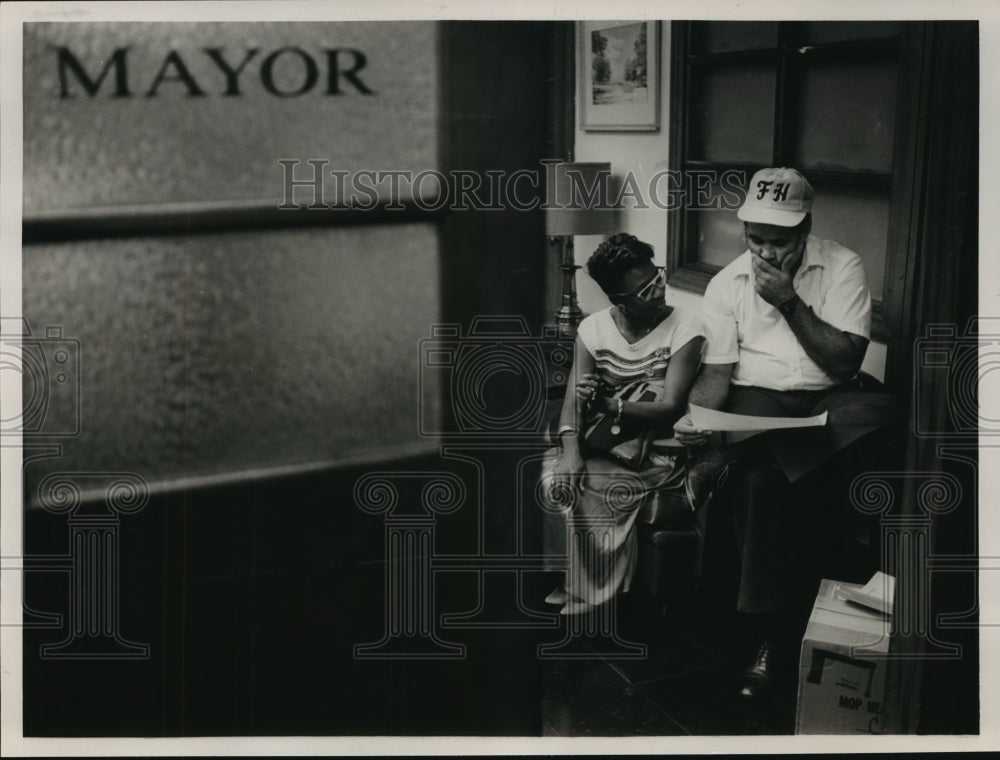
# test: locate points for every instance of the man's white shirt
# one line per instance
(744, 328)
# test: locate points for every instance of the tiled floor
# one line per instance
(686, 683)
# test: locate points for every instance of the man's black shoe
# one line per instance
(760, 675)
(705, 473)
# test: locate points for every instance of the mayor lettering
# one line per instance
(337, 72)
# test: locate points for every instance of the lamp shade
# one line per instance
(579, 201)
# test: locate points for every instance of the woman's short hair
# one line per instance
(614, 257)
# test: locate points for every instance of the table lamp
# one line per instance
(578, 204)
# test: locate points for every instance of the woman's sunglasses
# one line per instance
(647, 289)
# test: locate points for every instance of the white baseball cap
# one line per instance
(778, 196)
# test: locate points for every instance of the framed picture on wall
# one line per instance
(618, 71)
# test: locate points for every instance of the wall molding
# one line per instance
(375, 458)
(166, 219)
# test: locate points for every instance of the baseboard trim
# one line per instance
(371, 458)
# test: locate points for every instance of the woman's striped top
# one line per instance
(621, 362)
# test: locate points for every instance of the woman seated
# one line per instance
(634, 365)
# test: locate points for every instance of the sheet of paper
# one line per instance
(667, 443)
(710, 419)
(877, 594)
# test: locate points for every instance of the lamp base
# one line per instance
(569, 314)
(568, 319)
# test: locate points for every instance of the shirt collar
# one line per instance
(812, 257)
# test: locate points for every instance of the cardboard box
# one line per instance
(842, 668)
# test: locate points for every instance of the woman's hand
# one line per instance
(689, 435)
(588, 390)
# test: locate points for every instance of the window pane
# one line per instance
(723, 36)
(847, 116)
(241, 350)
(858, 219)
(732, 114)
(820, 32)
(720, 236)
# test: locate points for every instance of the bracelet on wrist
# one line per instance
(566, 429)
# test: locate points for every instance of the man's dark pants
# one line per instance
(789, 489)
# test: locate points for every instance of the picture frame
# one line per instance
(618, 85)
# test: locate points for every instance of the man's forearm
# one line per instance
(832, 349)
(711, 389)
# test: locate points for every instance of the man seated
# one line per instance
(787, 326)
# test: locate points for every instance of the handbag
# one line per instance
(604, 434)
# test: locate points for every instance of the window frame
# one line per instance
(791, 56)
